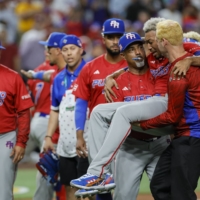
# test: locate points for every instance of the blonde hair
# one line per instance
(171, 31)
(192, 35)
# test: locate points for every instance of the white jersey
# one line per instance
(67, 139)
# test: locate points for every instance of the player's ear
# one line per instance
(122, 55)
(103, 38)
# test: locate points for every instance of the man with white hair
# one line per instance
(177, 172)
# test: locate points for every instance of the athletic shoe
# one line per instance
(89, 181)
(82, 193)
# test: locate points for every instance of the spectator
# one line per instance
(9, 57)
(8, 17)
(26, 11)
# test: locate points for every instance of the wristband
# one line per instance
(38, 75)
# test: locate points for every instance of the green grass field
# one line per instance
(25, 184)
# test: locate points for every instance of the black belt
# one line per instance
(150, 139)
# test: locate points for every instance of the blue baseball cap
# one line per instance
(71, 39)
(112, 26)
(1, 47)
(127, 39)
(53, 39)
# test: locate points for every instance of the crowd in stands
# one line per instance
(25, 22)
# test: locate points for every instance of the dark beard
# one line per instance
(112, 53)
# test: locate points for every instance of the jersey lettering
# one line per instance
(98, 82)
(136, 98)
(39, 87)
(161, 71)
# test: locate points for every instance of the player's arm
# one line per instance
(181, 67)
(82, 92)
(110, 82)
(52, 126)
(41, 75)
(176, 96)
(53, 118)
(22, 103)
(80, 119)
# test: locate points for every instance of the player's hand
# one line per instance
(17, 154)
(48, 144)
(180, 68)
(28, 74)
(81, 148)
(109, 83)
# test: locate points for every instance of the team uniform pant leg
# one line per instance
(99, 123)
(44, 190)
(160, 184)
(185, 168)
(130, 164)
(38, 129)
(120, 128)
(156, 149)
(7, 167)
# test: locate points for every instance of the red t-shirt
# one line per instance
(183, 104)
(160, 68)
(135, 88)
(41, 90)
(14, 98)
(90, 82)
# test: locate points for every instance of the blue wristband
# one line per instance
(39, 75)
(80, 113)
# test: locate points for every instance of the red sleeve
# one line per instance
(176, 96)
(22, 98)
(82, 86)
(23, 128)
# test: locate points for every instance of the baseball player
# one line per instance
(140, 152)
(125, 113)
(62, 107)
(177, 173)
(88, 89)
(15, 103)
(43, 190)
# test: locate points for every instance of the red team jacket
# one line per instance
(184, 102)
(14, 98)
(160, 68)
(90, 82)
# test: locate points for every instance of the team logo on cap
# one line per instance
(130, 36)
(120, 47)
(79, 43)
(55, 43)
(114, 23)
(64, 41)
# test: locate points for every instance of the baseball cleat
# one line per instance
(82, 193)
(89, 181)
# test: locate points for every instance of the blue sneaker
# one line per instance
(89, 181)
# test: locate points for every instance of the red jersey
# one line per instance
(183, 104)
(14, 98)
(135, 88)
(160, 68)
(90, 82)
(41, 90)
